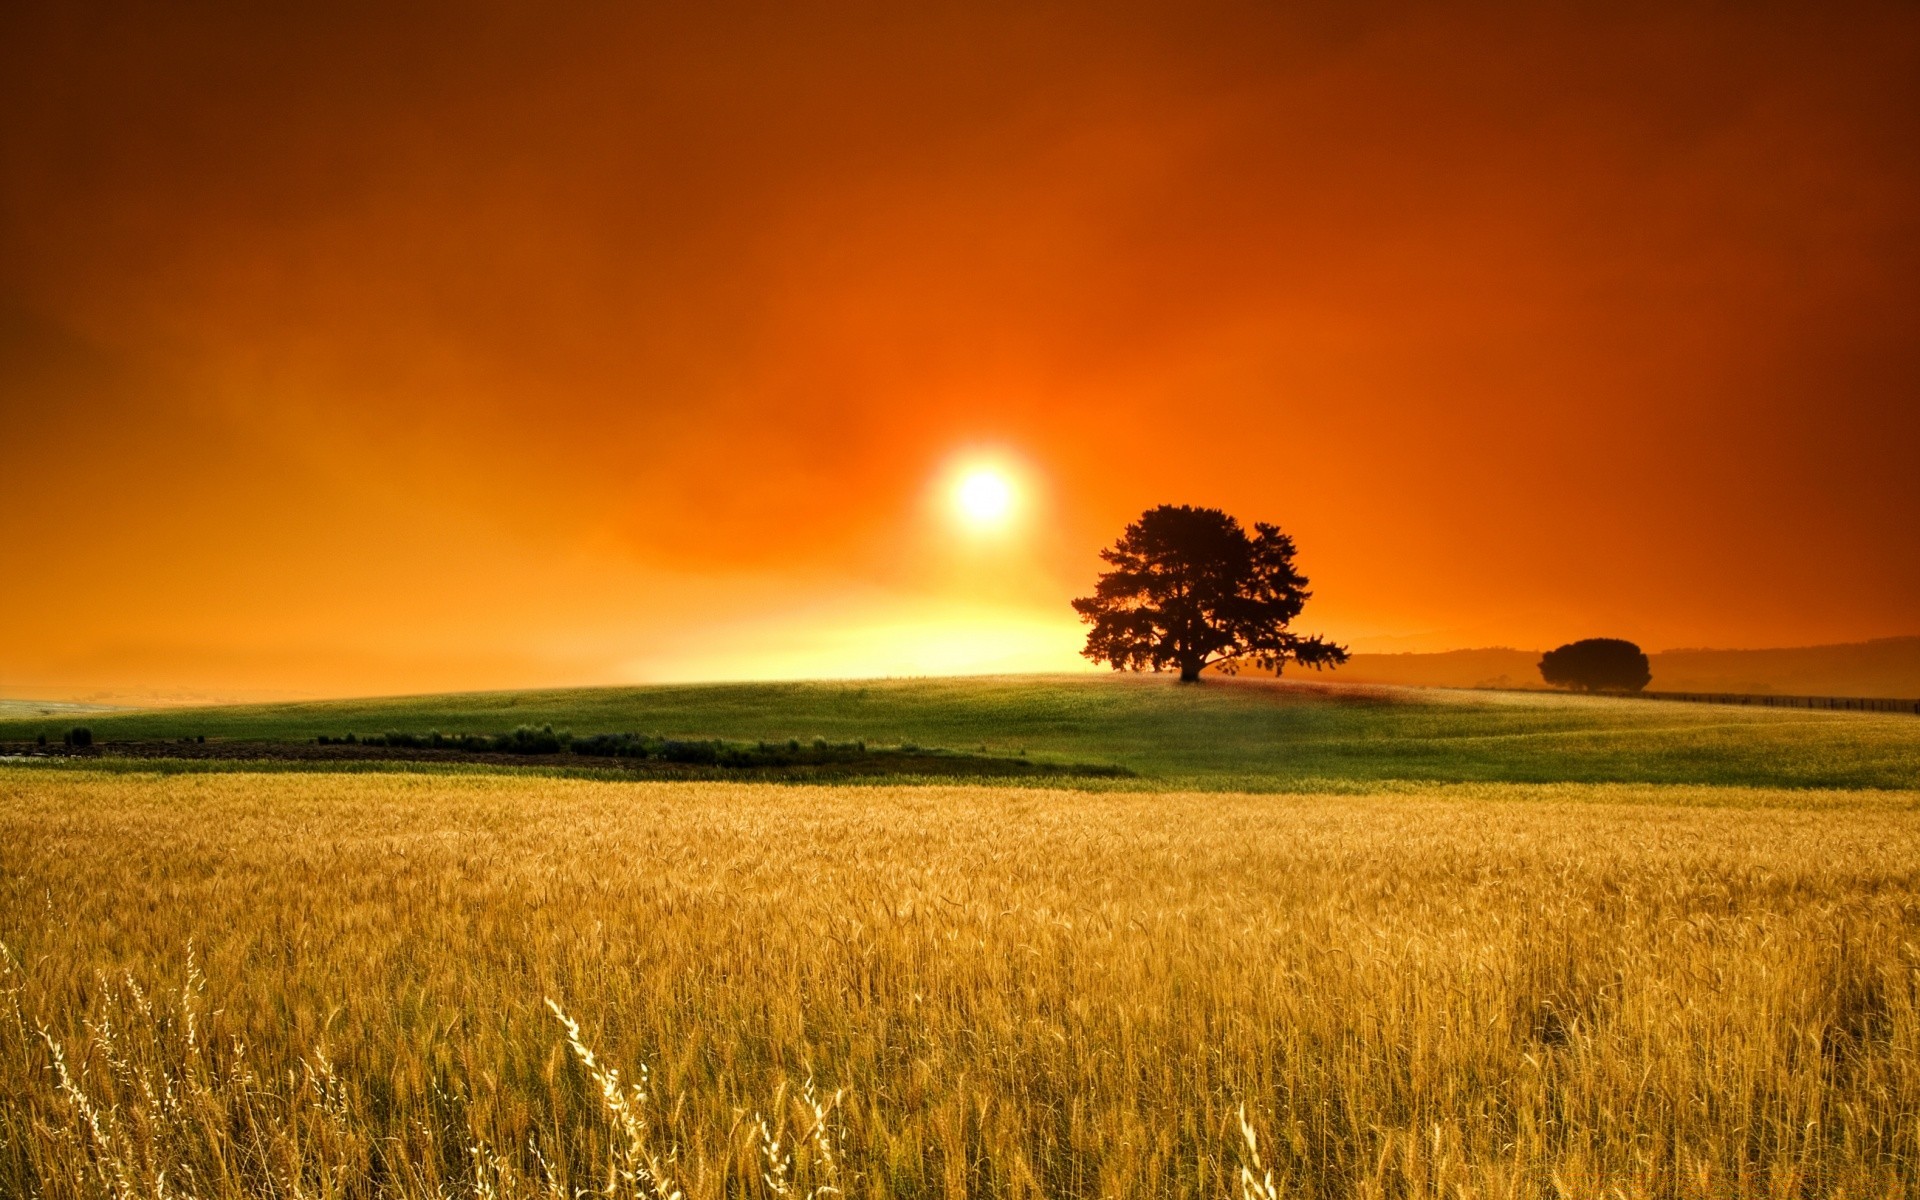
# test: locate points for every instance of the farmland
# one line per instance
(232, 983)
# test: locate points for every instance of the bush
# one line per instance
(612, 745)
(528, 740)
(1597, 665)
(673, 750)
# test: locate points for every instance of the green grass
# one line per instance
(1224, 734)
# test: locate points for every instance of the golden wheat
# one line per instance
(354, 986)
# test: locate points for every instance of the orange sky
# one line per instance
(347, 352)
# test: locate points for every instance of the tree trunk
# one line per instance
(1190, 672)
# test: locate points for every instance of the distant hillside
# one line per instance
(1883, 667)
(1498, 667)
(1887, 667)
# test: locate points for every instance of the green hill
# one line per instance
(1226, 733)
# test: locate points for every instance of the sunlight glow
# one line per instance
(875, 637)
(984, 497)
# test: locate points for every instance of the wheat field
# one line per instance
(312, 985)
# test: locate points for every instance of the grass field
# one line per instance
(1240, 735)
(337, 985)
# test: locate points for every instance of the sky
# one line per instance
(346, 349)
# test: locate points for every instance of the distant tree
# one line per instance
(1189, 589)
(1597, 665)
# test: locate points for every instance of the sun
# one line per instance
(984, 497)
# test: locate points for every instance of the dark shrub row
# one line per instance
(524, 740)
(713, 752)
(544, 740)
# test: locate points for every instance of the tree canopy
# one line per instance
(1597, 665)
(1190, 589)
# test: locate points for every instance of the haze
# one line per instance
(345, 351)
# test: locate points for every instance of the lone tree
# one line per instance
(1190, 589)
(1597, 665)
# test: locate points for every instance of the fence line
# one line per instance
(1768, 700)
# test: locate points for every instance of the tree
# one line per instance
(1190, 589)
(1597, 665)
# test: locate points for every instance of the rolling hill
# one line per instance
(1225, 734)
